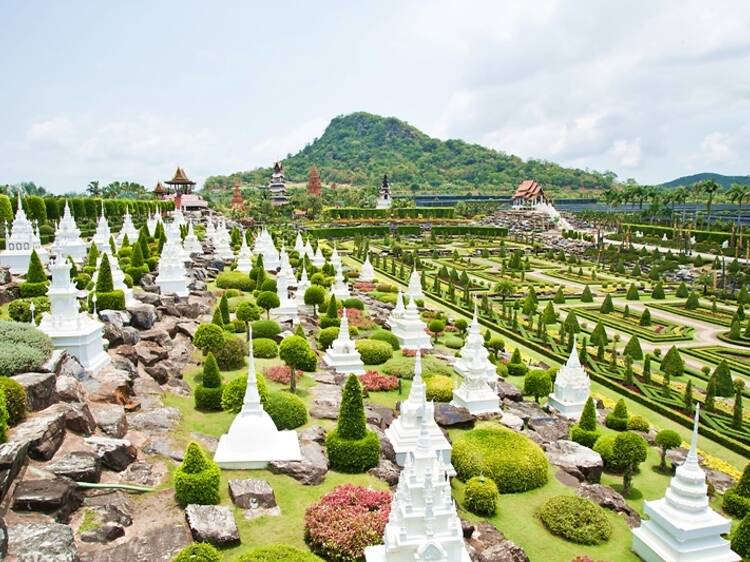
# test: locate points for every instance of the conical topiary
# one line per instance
(35, 272)
(658, 292)
(741, 538)
(633, 348)
(224, 309)
(586, 296)
(647, 369)
(92, 256)
(645, 319)
(588, 416)
(632, 294)
(710, 402)
(197, 478)
(723, 375)
(682, 291)
(352, 423)
(599, 335)
(607, 305)
(211, 376)
(104, 283)
(136, 259)
(216, 318)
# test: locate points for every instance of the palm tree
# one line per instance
(737, 193)
(505, 288)
(709, 187)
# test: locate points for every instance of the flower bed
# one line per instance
(372, 381)
(280, 374)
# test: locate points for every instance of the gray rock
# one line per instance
(52, 365)
(109, 385)
(486, 544)
(149, 352)
(548, 429)
(310, 471)
(214, 524)
(80, 466)
(251, 493)
(144, 474)
(158, 336)
(512, 421)
(575, 459)
(40, 389)
(313, 433)
(608, 498)
(105, 533)
(159, 419)
(508, 391)
(160, 371)
(69, 389)
(381, 416)
(326, 401)
(447, 415)
(78, 417)
(12, 460)
(111, 419)
(44, 433)
(71, 366)
(115, 454)
(3, 539)
(58, 497)
(142, 316)
(50, 542)
(386, 471)
(130, 335)
(187, 328)
(525, 410)
(145, 297)
(117, 318)
(386, 447)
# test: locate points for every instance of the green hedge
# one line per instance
(576, 520)
(277, 553)
(235, 280)
(349, 232)
(287, 410)
(374, 352)
(700, 235)
(353, 456)
(198, 552)
(483, 231)
(386, 336)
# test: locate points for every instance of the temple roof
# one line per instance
(159, 189)
(278, 168)
(180, 178)
(528, 189)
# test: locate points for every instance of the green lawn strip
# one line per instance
(701, 313)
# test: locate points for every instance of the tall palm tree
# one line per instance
(709, 188)
(737, 193)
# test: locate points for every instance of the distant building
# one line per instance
(180, 191)
(277, 187)
(237, 203)
(529, 194)
(159, 191)
(384, 194)
(314, 185)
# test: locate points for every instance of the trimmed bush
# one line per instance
(198, 552)
(737, 499)
(513, 461)
(208, 393)
(23, 348)
(287, 410)
(576, 519)
(617, 419)
(453, 342)
(517, 369)
(374, 352)
(585, 432)
(439, 388)
(15, 400)
(234, 393)
(208, 337)
(386, 336)
(20, 309)
(741, 538)
(110, 300)
(604, 446)
(235, 280)
(481, 495)
(232, 354)
(326, 337)
(667, 439)
(266, 329)
(403, 367)
(277, 553)
(197, 479)
(265, 348)
(537, 383)
(638, 423)
(353, 303)
(3, 417)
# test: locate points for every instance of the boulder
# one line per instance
(158, 336)
(110, 385)
(80, 466)
(525, 410)
(148, 298)
(512, 421)
(160, 371)
(149, 352)
(313, 433)
(50, 542)
(130, 335)
(310, 471)
(386, 448)
(71, 366)
(69, 389)
(43, 433)
(213, 524)
(575, 459)
(187, 328)
(381, 416)
(548, 429)
(104, 533)
(251, 493)
(58, 497)
(447, 415)
(78, 417)
(326, 401)
(508, 391)
(12, 459)
(144, 474)
(487, 544)
(386, 471)
(158, 419)
(111, 419)
(3, 539)
(608, 498)
(115, 454)
(52, 365)
(113, 335)
(142, 315)
(117, 318)
(40, 390)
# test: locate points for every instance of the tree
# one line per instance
(710, 403)
(436, 326)
(741, 538)
(739, 384)
(549, 316)
(645, 319)
(6, 209)
(628, 375)
(35, 272)
(217, 319)
(682, 291)
(599, 335)
(632, 294)
(104, 283)
(537, 383)
(559, 296)
(735, 330)
(586, 296)
(333, 308)
(693, 302)
(268, 300)
(628, 451)
(461, 325)
(295, 352)
(658, 292)
(208, 338)
(607, 305)
(315, 296)
(687, 398)
(667, 439)
(247, 312)
(224, 309)
(571, 323)
(495, 345)
(647, 369)
(672, 364)
(352, 423)
(633, 348)
(723, 376)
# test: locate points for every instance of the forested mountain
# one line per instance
(358, 149)
(724, 181)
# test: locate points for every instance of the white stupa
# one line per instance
(410, 330)
(474, 346)
(172, 277)
(118, 280)
(572, 387)
(287, 309)
(210, 230)
(285, 269)
(340, 287)
(244, 257)
(681, 527)
(367, 272)
(302, 285)
(398, 311)
(343, 355)
(191, 243)
(423, 525)
(151, 223)
(68, 241)
(403, 433)
(20, 242)
(335, 258)
(128, 228)
(414, 290)
(221, 240)
(253, 439)
(271, 257)
(318, 260)
(475, 394)
(102, 234)
(178, 218)
(299, 245)
(308, 249)
(68, 328)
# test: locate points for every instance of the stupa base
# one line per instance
(377, 554)
(413, 341)
(77, 252)
(85, 343)
(18, 260)
(652, 545)
(572, 410)
(482, 402)
(173, 286)
(345, 363)
(287, 311)
(257, 452)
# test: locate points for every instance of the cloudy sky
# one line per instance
(127, 90)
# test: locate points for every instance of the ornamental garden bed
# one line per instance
(659, 331)
(704, 313)
(586, 278)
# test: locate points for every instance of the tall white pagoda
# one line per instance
(191, 243)
(410, 330)
(287, 309)
(128, 228)
(76, 332)
(264, 245)
(335, 258)
(221, 241)
(423, 525)
(285, 269)
(22, 240)
(253, 439)
(308, 249)
(340, 287)
(572, 386)
(102, 234)
(151, 222)
(244, 257)
(367, 272)
(318, 260)
(474, 346)
(681, 527)
(403, 433)
(68, 241)
(210, 230)
(475, 394)
(299, 244)
(343, 355)
(384, 195)
(172, 277)
(302, 285)
(398, 311)
(414, 290)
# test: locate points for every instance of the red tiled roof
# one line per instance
(528, 189)
(190, 200)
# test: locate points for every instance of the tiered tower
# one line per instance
(474, 346)
(151, 222)
(475, 394)
(572, 387)
(191, 243)
(410, 330)
(384, 194)
(318, 260)
(681, 527)
(22, 240)
(367, 272)
(244, 257)
(340, 287)
(398, 311)
(265, 246)
(102, 234)
(343, 355)
(302, 285)
(172, 277)
(287, 309)
(68, 328)
(237, 202)
(414, 290)
(299, 244)
(68, 241)
(277, 188)
(335, 258)
(221, 241)
(128, 228)
(285, 269)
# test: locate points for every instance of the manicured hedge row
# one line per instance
(700, 235)
(489, 231)
(402, 212)
(349, 231)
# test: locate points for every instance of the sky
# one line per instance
(104, 90)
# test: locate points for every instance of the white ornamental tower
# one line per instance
(403, 433)
(172, 277)
(414, 290)
(285, 269)
(367, 273)
(244, 257)
(475, 394)
(128, 228)
(102, 234)
(191, 243)
(287, 309)
(68, 241)
(398, 311)
(318, 260)
(253, 439)
(474, 346)
(299, 245)
(20, 242)
(343, 355)
(410, 330)
(681, 527)
(384, 195)
(302, 285)
(340, 288)
(423, 525)
(572, 387)
(68, 328)
(335, 258)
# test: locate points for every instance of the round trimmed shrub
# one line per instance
(23, 348)
(576, 520)
(481, 495)
(617, 419)
(20, 309)
(439, 388)
(353, 456)
(374, 352)
(326, 337)
(111, 300)
(15, 399)
(741, 538)
(604, 446)
(232, 354)
(513, 461)
(208, 337)
(277, 553)
(386, 336)
(287, 410)
(235, 280)
(266, 329)
(329, 322)
(453, 342)
(737, 498)
(265, 348)
(234, 393)
(197, 479)
(198, 552)
(353, 303)
(517, 369)
(638, 423)
(584, 437)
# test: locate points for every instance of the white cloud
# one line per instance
(58, 131)
(276, 148)
(627, 153)
(715, 147)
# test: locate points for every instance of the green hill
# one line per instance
(724, 181)
(358, 149)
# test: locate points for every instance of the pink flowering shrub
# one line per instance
(364, 286)
(280, 374)
(345, 521)
(373, 381)
(358, 318)
(413, 352)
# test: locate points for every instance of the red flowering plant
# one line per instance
(280, 374)
(413, 352)
(373, 381)
(345, 521)
(364, 286)
(358, 319)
